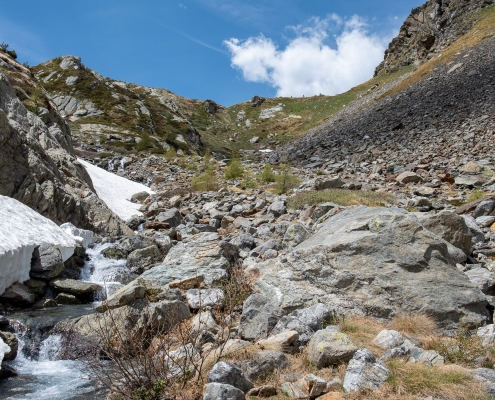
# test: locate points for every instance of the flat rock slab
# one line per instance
(74, 287)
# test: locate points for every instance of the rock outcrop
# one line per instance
(38, 167)
(376, 262)
(428, 30)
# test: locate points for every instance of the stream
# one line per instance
(42, 375)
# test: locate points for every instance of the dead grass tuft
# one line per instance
(418, 325)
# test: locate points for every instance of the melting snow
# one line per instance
(21, 231)
(115, 191)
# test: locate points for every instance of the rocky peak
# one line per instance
(428, 30)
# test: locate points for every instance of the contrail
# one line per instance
(191, 38)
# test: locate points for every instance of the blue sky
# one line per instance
(227, 51)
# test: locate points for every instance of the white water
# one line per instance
(49, 378)
(102, 270)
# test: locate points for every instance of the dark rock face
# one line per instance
(38, 167)
(429, 29)
(47, 262)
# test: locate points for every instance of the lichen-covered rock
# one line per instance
(365, 372)
(330, 347)
(259, 317)
(226, 372)
(142, 259)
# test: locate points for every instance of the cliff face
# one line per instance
(428, 30)
(37, 163)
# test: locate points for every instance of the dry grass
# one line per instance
(342, 197)
(418, 325)
(362, 331)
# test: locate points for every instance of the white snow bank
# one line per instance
(21, 231)
(81, 236)
(4, 349)
(115, 191)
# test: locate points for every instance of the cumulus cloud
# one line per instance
(309, 65)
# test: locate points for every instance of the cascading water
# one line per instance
(42, 376)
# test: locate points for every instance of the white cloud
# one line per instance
(308, 65)
(183, 6)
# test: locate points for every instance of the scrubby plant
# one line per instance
(206, 181)
(170, 154)
(249, 181)
(268, 176)
(103, 139)
(234, 169)
(342, 197)
(145, 142)
(286, 180)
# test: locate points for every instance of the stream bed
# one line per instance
(42, 375)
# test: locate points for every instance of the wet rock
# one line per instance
(18, 294)
(365, 372)
(46, 263)
(38, 287)
(77, 288)
(126, 295)
(66, 299)
(114, 253)
(10, 340)
(330, 347)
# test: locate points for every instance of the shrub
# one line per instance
(342, 197)
(170, 154)
(234, 170)
(206, 181)
(103, 139)
(249, 181)
(145, 142)
(267, 176)
(286, 180)
(4, 46)
(12, 53)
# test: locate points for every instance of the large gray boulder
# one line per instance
(226, 372)
(203, 254)
(222, 391)
(171, 217)
(141, 259)
(264, 364)
(378, 262)
(259, 317)
(47, 262)
(483, 279)
(365, 372)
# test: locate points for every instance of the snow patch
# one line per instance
(21, 231)
(4, 349)
(81, 236)
(115, 191)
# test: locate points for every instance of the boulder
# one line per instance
(165, 314)
(377, 262)
(139, 197)
(205, 321)
(46, 263)
(333, 183)
(222, 391)
(487, 378)
(308, 387)
(330, 347)
(262, 391)
(188, 283)
(483, 279)
(203, 254)
(226, 372)
(10, 340)
(315, 316)
(365, 372)
(388, 339)
(18, 294)
(114, 253)
(408, 177)
(484, 208)
(38, 287)
(264, 363)
(477, 234)
(285, 341)
(142, 259)
(136, 242)
(66, 299)
(77, 288)
(171, 217)
(277, 208)
(487, 335)
(484, 222)
(4, 349)
(291, 323)
(126, 295)
(259, 317)
(199, 298)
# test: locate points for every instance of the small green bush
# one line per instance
(206, 181)
(12, 53)
(145, 142)
(103, 139)
(286, 180)
(267, 176)
(342, 197)
(234, 170)
(170, 154)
